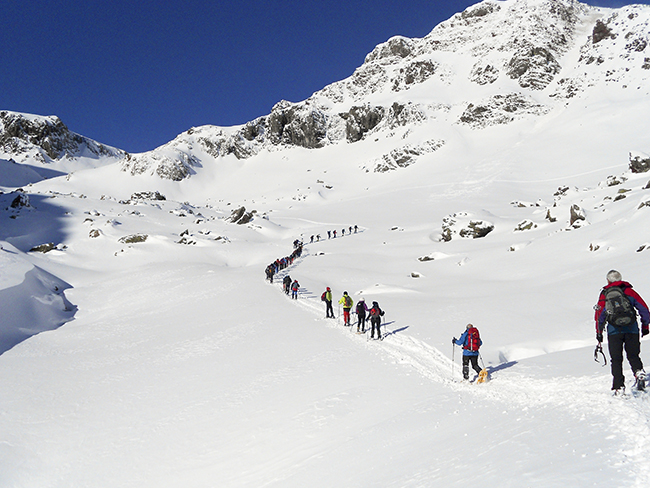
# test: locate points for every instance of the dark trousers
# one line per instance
(375, 322)
(329, 311)
(361, 324)
(466, 361)
(632, 347)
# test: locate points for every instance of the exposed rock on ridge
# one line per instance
(46, 139)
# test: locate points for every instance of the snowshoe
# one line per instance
(482, 376)
(640, 380)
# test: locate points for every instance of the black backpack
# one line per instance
(619, 309)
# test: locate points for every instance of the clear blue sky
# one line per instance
(135, 74)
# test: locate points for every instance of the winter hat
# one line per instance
(613, 276)
(375, 304)
(469, 326)
(345, 292)
(328, 289)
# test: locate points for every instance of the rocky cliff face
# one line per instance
(45, 139)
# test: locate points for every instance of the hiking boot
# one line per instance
(619, 391)
(640, 380)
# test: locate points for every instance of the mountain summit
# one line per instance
(493, 64)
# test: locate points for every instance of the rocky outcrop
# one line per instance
(46, 138)
(639, 163)
(406, 155)
(533, 66)
(240, 216)
(462, 224)
(501, 109)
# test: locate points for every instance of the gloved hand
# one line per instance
(453, 341)
(599, 336)
(644, 331)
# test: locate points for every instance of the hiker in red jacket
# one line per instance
(617, 306)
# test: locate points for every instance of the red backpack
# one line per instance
(473, 339)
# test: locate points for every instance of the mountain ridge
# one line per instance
(494, 63)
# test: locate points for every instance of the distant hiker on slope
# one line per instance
(470, 342)
(376, 314)
(287, 284)
(362, 308)
(616, 307)
(327, 298)
(347, 302)
(295, 286)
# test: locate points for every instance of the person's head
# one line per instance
(375, 304)
(469, 326)
(613, 276)
(328, 289)
(345, 292)
(362, 299)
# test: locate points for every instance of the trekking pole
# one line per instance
(453, 361)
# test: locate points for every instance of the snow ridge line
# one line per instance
(580, 396)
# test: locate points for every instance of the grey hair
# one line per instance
(613, 276)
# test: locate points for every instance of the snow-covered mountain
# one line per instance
(494, 63)
(496, 170)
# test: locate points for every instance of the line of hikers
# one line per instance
(374, 314)
(282, 263)
(616, 313)
(332, 233)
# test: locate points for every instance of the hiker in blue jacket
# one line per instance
(470, 341)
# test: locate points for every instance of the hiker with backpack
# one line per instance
(470, 341)
(376, 314)
(362, 308)
(287, 284)
(295, 286)
(327, 298)
(347, 302)
(617, 307)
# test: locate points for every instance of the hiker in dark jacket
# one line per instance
(287, 284)
(626, 333)
(362, 308)
(470, 341)
(376, 314)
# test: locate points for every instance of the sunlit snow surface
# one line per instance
(178, 365)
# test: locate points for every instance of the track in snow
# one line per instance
(582, 397)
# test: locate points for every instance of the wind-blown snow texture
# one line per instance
(495, 169)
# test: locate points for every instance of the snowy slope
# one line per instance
(181, 366)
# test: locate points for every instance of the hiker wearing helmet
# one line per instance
(617, 307)
(327, 298)
(347, 302)
(470, 341)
